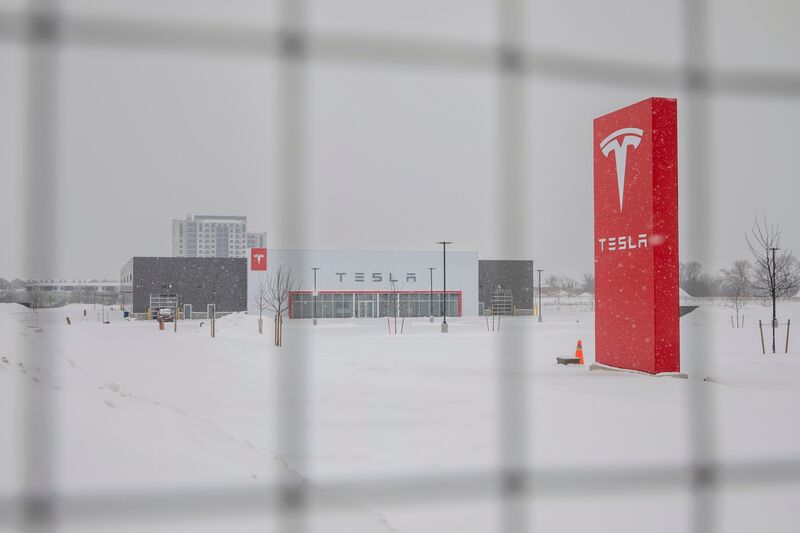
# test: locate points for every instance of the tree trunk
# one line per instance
(774, 321)
(278, 330)
(260, 326)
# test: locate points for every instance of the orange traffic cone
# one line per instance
(579, 351)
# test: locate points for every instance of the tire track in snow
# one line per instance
(117, 389)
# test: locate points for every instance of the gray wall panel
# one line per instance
(516, 275)
(193, 279)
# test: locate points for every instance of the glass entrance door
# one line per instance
(365, 310)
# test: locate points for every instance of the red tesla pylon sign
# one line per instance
(636, 237)
(258, 258)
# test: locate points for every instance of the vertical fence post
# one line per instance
(788, 325)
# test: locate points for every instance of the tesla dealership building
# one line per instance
(369, 284)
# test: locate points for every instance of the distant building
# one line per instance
(94, 285)
(257, 240)
(505, 285)
(214, 236)
(58, 292)
(191, 283)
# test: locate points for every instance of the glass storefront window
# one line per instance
(372, 304)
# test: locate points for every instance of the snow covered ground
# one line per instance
(142, 411)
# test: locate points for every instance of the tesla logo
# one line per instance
(258, 259)
(618, 142)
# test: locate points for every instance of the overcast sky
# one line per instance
(397, 156)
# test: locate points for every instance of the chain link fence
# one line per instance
(45, 27)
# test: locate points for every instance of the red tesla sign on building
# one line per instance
(636, 237)
(258, 258)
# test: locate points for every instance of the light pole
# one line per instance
(773, 281)
(314, 311)
(444, 283)
(430, 296)
(177, 313)
(539, 270)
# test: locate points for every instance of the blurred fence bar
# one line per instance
(44, 26)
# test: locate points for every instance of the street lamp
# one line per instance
(314, 296)
(539, 270)
(444, 283)
(430, 296)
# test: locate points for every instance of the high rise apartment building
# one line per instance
(213, 236)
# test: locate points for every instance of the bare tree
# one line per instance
(561, 282)
(211, 288)
(260, 300)
(735, 287)
(774, 274)
(587, 283)
(689, 276)
(392, 305)
(35, 297)
(279, 287)
(6, 291)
